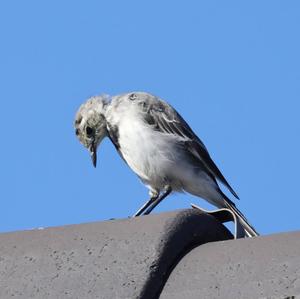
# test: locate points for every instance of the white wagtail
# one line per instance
(158, 145)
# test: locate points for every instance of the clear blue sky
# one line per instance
(231, 68)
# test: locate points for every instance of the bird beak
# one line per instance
(93, 151)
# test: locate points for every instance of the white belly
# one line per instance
(148, 153)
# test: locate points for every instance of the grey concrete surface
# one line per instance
(128, 258)
(262, 267)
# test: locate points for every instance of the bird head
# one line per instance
(90, 124)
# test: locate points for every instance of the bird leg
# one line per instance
(158, 200)
(147, 204)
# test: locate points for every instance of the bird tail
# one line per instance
(249, 229)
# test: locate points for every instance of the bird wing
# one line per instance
(167, 120)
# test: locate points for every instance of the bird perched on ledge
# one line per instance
(158, 145)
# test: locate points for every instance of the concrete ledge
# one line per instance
(262, 267)
(129, 258)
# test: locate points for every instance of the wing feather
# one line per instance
(167, 120)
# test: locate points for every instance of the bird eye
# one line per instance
(89, 131)
(132, 97)
(77, 132)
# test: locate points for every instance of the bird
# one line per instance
(158, 145)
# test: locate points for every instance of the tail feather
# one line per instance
(249, 229)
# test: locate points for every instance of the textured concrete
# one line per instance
(263, 267)
(128, 258)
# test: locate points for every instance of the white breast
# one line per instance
(141, 148)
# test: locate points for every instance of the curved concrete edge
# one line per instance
(181, 233)
(261, 267)
(128, 258)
